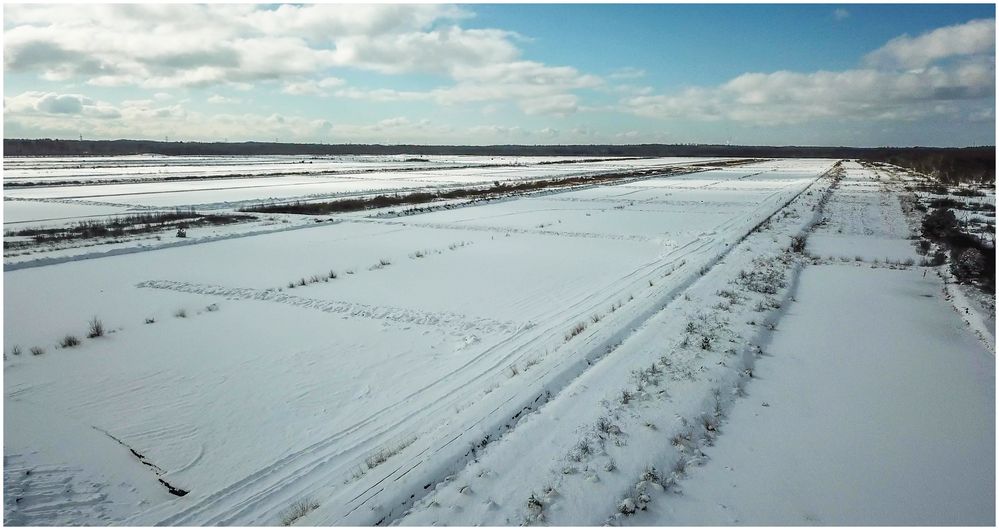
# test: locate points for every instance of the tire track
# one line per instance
(512, 230)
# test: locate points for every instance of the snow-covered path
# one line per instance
(876, 406)
(876, 403)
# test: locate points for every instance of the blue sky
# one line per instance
(862, 75)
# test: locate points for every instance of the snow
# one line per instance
(265, 179)
(890, 423)
(584, 489)
(48, 213)
(461, 358)
(152, 167)
(865, 221)
(49, 482)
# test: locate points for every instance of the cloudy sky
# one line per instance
(858, 75)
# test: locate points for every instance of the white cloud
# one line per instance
(195, 45)
(497, 131)
(314, 87)
(61, 106)
(787, 97)
(535, 87)
(977, 37)
(392, 123)
(781, 98)
(557, 104)
(983, 115)
(178, 46)
(841, 14)
(438, 51)
(58, 115)
(216, 99)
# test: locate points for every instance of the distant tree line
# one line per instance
(950, 166)
(947, 164)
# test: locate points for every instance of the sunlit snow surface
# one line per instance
(358, 390)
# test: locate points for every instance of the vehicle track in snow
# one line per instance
(635, 331)
(697, 254)
(509, 230)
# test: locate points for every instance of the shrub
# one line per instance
(969, 192)
(764, 278)
(651, 474)
(969, 265)
(16, 350)
(627, 506)
(298, 510)
(385, 201)
(576, 330)
(798, 244)
(35, 350)
(945, 202)
(939, 258)
(211, 308)
(126, 225)
(69, 341)
(939, 224)
(181, 313)
(181, 232)
(605, 426)
(766, 304)
(150, 320)
(96, 328)
(534, 505)
(679, 467)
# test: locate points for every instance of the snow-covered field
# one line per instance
(529, 359)
(140, 183)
